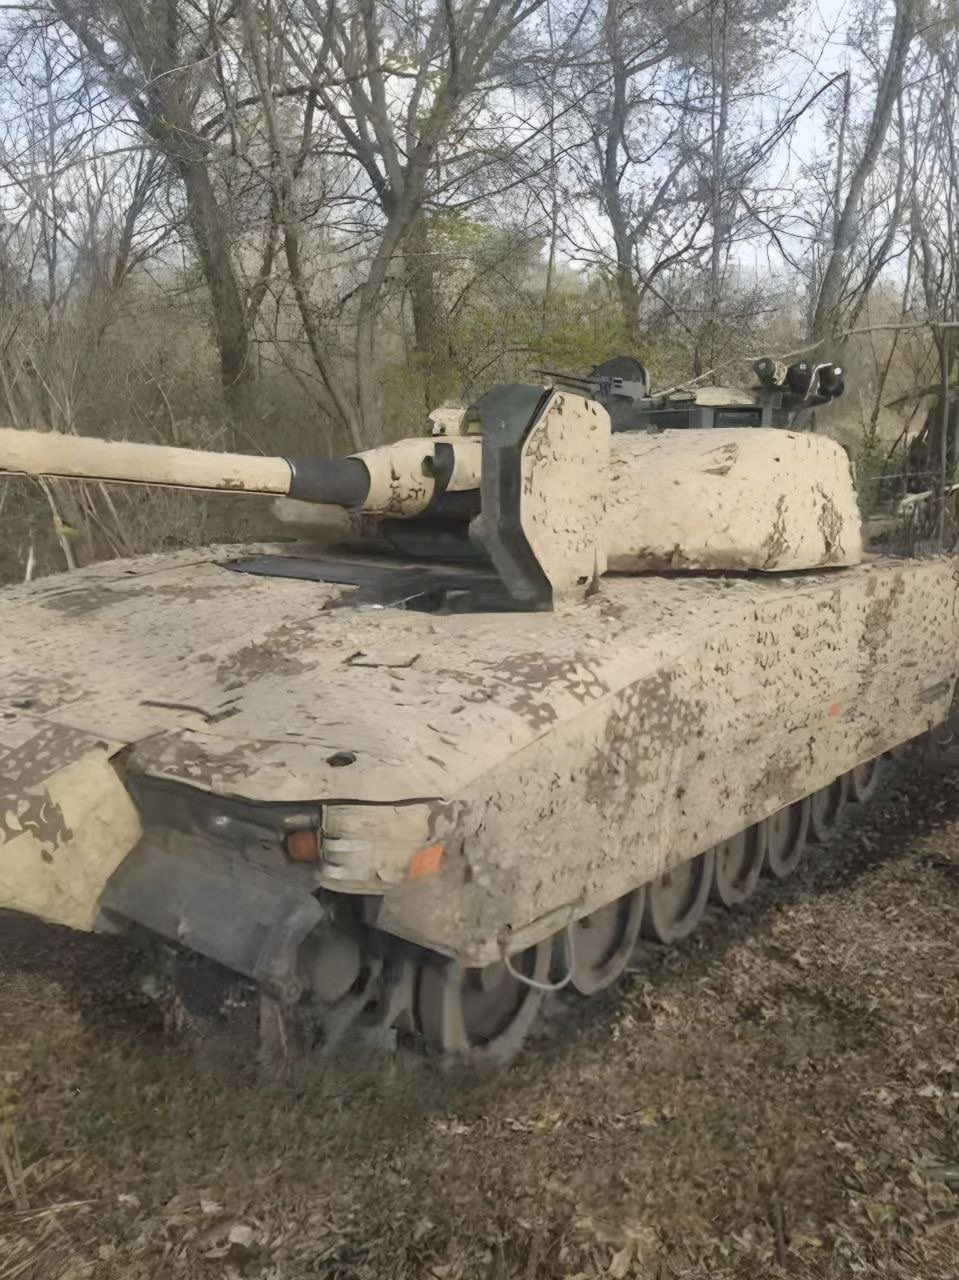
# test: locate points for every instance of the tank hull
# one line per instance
(753, 700)
(553, 762)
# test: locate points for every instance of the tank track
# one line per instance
(407, 995)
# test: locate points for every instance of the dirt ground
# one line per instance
(779, 1097)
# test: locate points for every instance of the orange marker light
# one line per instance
(425, 861)
(303, 845)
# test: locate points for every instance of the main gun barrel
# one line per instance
(69, 457)
(399, 479)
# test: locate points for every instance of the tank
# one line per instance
(521, 691)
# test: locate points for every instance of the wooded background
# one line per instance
(298, 225)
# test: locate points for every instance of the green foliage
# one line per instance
(584, 327)
(872, 458)
(579, 331)
(493, 322)
(452, 233)
(408, 389)
(497, 322)
(500, 327)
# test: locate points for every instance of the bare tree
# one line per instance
(673, 149)
(403, 90)
(623, 112)
(933, 104)
(162, 61)
(837, 302)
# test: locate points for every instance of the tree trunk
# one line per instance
(628, 293)
(826, 318)
(719, 238)
(368, 313)
(284, 173)
(229, 314)
(612, 177)
(425, 307)
(401, 224)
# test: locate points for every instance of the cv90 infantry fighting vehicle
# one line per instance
(527, 689)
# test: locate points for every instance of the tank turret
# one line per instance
(528, 481)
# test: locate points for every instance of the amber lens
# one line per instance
(303, 845)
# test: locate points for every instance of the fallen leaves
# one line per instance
(799, 1054)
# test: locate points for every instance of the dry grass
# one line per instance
(149, 519)
(778, 1098)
